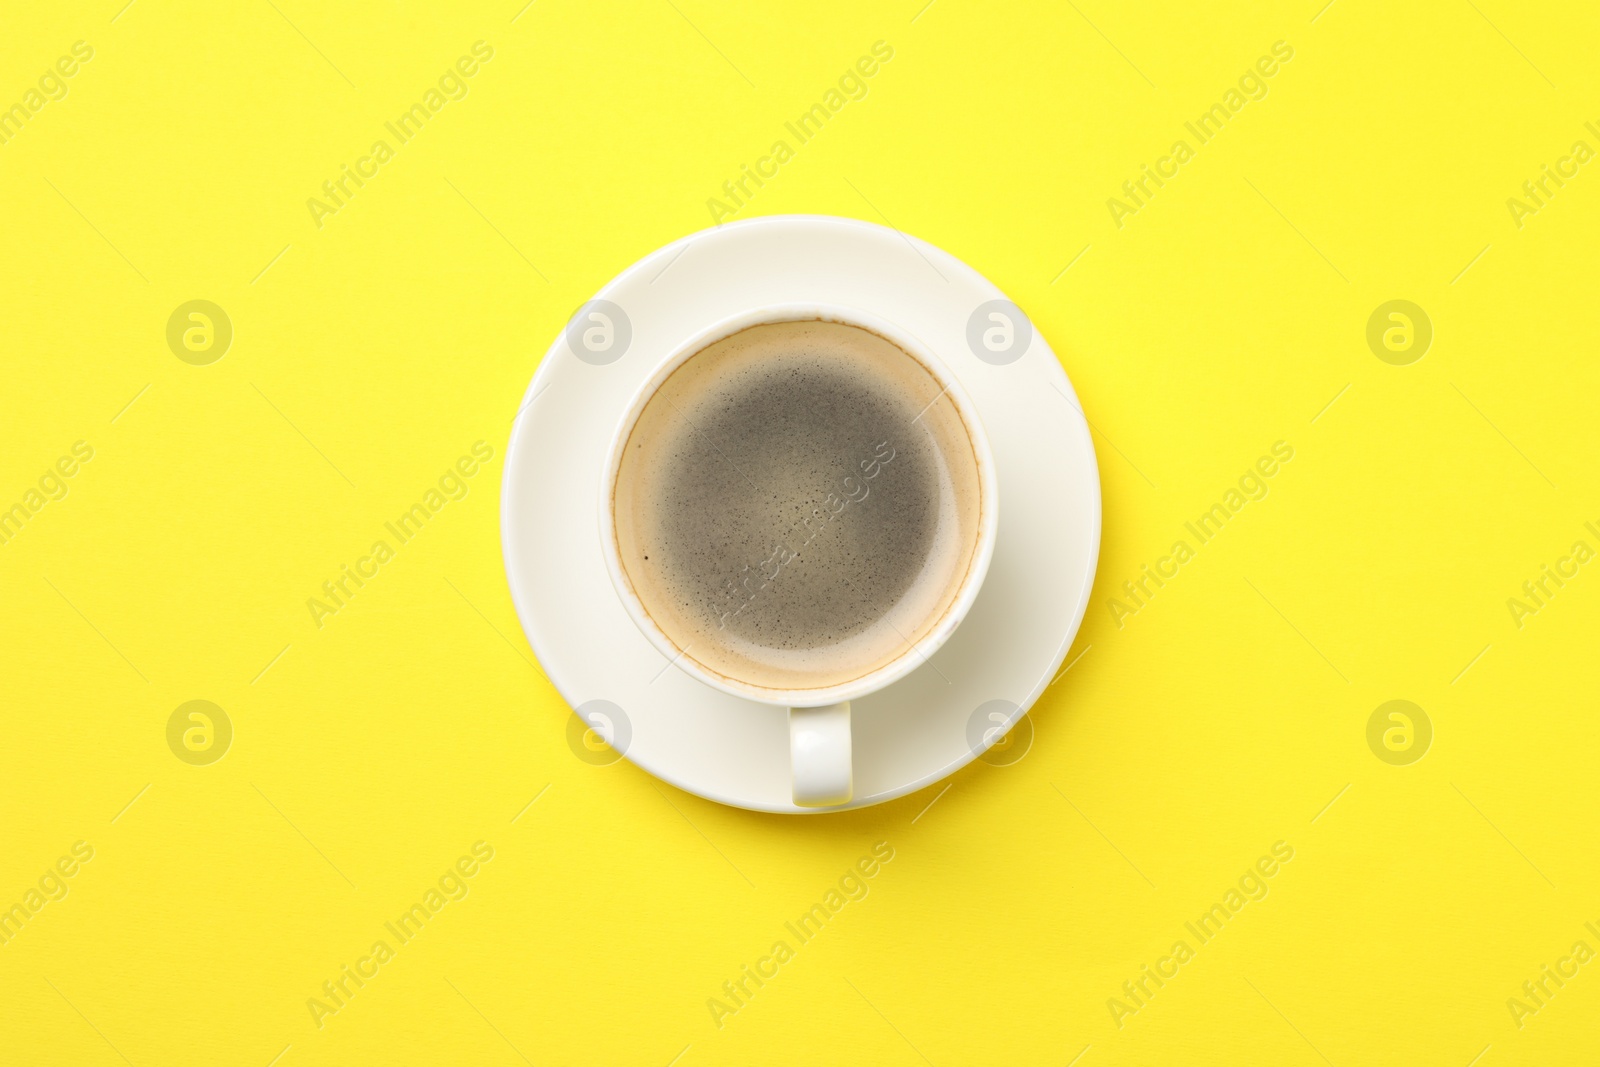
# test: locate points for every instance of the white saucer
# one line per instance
(926, 725)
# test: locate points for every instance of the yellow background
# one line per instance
(370, 753)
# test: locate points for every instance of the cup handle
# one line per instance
(819, 752)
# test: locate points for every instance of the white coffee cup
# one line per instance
(819, 719)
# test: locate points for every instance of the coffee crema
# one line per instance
(797, 505)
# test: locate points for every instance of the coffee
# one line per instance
(797, 504)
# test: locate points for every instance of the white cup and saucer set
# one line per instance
(975, 639)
